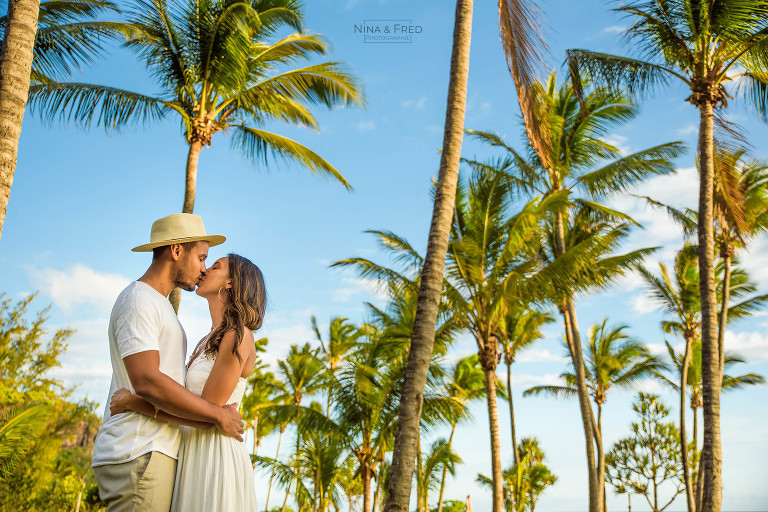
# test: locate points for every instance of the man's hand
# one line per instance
(230, 422)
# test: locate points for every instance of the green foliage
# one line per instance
(650, 458)
(452, 506)
(524, 482)
(20, 426)
(46, 440)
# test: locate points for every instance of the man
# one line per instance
(134, 457)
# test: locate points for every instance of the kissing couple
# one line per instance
(171, 437)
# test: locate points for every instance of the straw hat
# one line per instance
(178, 228)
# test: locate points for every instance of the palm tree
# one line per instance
(219, 72)
(578, 160)
(465, 384)
(440, 456)
(259, 395)
(16, 56)
(342, 338)
(730, 382)
(679, 297)
(19, 427)
(522, 327)
(525, 480)
(491, 267)
(431, 283)
(301, 374)
(613, 358)
(365, 407)
(680, 300)
(706, 46)
(740, 213)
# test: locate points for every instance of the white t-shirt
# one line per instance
(142, 319)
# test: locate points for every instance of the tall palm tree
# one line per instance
(680, 300)
(579, 161)
(219, 71)
(706, 46)
(525, 480)
(612, 358)
(259, 395)
(16, 56)
(365, 407)
(679, 297)
(431, 283)
(519, 27)
(300, 375)
(730, 382)
(522, 327)
(342, 338)
(465, 384)
(740, 213)
(491, 267)
(440, 456)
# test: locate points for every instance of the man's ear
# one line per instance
(175, 252)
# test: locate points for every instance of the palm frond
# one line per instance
(255, 143)
(83, 104)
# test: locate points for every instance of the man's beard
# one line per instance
(185, 281)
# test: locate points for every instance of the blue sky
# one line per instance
(80, 201)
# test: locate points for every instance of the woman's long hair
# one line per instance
(245, 305)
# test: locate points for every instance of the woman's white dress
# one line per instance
(214, 472)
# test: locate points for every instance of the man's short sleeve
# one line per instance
(137, 326)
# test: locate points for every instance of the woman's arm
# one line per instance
(123, 400)
(227, 369)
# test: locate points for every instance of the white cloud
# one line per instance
(753, 346)
(415, 104)
(535, 355)
(689, 129)
(366, 126)
(753, 260)
(355, 286)
(525, 380)
(614, 29)
(644, 303)
(79, 285)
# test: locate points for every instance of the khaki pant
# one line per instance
(144, 484)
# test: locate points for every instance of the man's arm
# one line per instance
(165, 393)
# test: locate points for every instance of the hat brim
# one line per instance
(211, 239)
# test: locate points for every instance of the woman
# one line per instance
(214, 472)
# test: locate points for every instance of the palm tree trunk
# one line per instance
(712, 455)
(15, 70)
(600, 454)
(699, 476)
(190, 183)
(419, 470)
(515, 455)
(376, 494)
(683, 442)
(287, 493)
(274, 466)
(430, 289)
(190, 191)
(727, 260)
(445, 471)
(587, 418)
(493, 420)
(366, 474)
